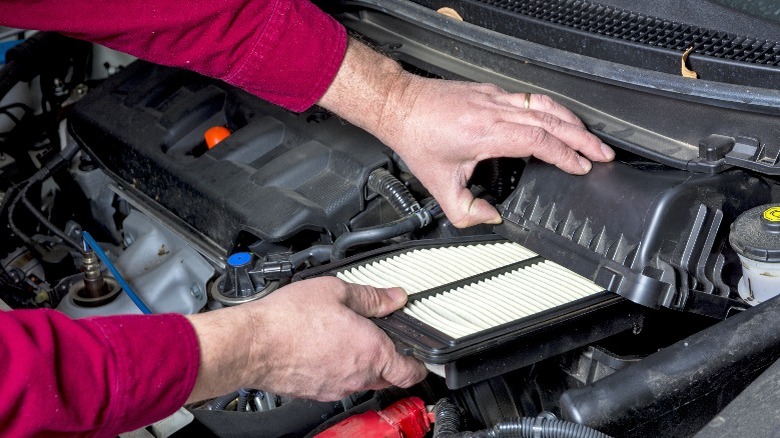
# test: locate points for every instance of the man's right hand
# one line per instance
(442, 129)
(310, 339)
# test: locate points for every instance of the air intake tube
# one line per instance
(413, 217)
(413, 221)
(389, 187)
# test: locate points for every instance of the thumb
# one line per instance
(481, 212)
(374, 302)
(466, 210)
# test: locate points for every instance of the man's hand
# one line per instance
(442, 129)
(310, 339)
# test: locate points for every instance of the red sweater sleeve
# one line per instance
(285, 51)
(92, 377)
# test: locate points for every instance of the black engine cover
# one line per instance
(278, 173)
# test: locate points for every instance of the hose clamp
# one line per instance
(424, 216)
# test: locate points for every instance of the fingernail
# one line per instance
(397, 294)
(609, 154)
(495, 220)
(584, 163)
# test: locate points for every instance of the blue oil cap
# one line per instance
(239, 259)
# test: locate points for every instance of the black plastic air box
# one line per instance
(278, 173)
(649, 233)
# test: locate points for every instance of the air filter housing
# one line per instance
(649, 233)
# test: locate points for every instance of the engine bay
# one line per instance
(666, 254)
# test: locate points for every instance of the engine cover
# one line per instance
(279, 172)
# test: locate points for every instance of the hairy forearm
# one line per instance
(367, 89)
(225, 351)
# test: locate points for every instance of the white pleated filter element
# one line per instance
(423, 269)
(497, 300)
(484, 304)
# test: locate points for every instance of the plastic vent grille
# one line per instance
(642, 29)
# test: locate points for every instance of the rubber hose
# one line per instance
(325, 253)
(394, 191)
(44, 172)
(447, 423)
(48, 224)
(294, 418)
(496, 180)
(319, 253)
(219, 403)
(243, 395)
(11, 224)
(66, 154)
(377, 234)
(543, 428)
(8, 196)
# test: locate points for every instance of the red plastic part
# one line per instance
(406, 418)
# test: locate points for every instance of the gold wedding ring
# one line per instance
(527, 104)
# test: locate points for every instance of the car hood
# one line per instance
(619, 66)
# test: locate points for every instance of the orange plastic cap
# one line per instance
(215, 134)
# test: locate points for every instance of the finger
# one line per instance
(374, 302)
(539, 143)
(481, 212)
(403, 371)
(376, 384)
(549, 114)
(544, 146)
(458, 203)
(468, 211)
(548, 105)
(574, 136)
(540, 102)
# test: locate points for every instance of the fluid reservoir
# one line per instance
(755, 236)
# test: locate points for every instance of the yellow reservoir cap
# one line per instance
(772, 214)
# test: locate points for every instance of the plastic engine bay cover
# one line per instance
(272, 177)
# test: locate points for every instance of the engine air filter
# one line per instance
(422, 269)
(500, 299)
(475, 302)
